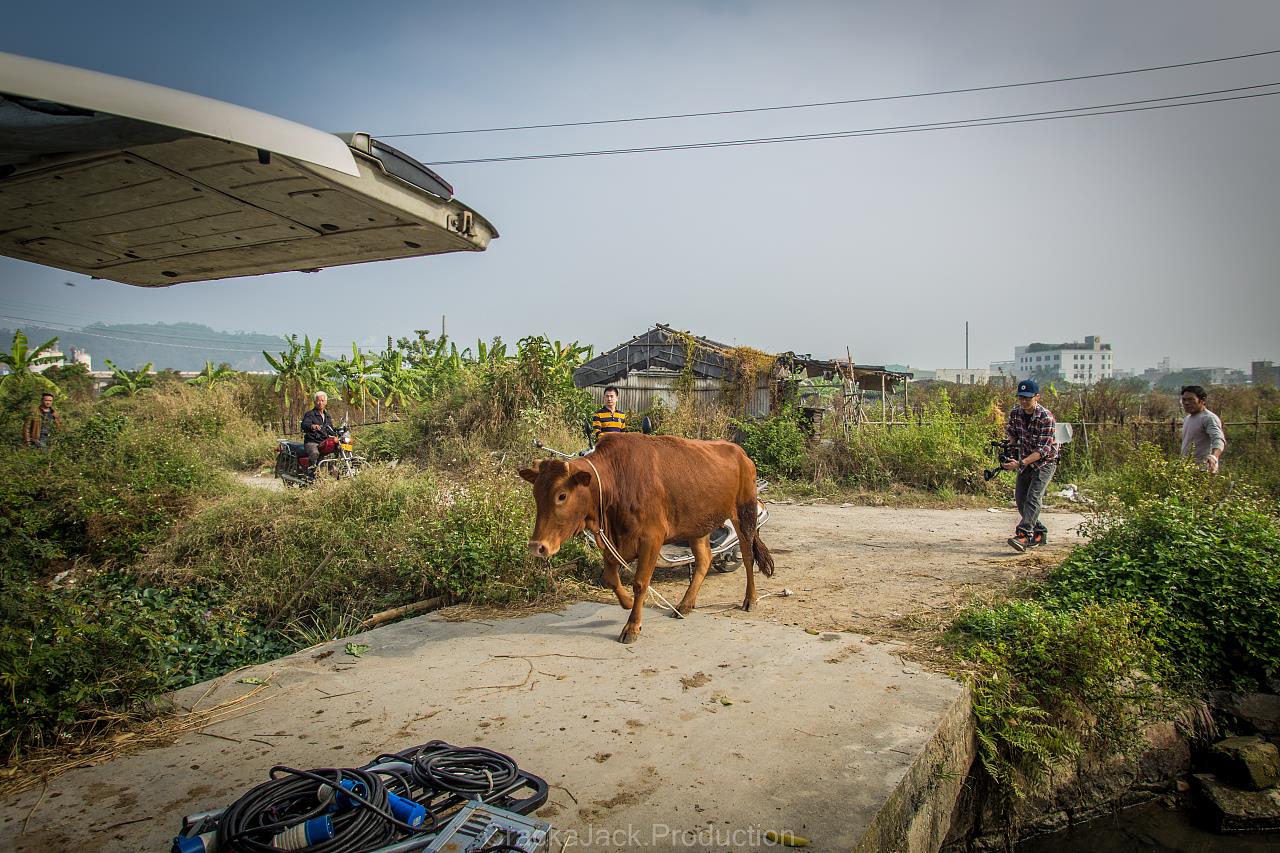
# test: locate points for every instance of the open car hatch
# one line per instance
(140, 184)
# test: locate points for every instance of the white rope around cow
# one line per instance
(612, 550)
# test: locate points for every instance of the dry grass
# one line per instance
(922, 631)
(116, 735)
(566, 589)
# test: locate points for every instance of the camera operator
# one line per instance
(1029, 433)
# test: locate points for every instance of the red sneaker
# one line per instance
(1020, 542)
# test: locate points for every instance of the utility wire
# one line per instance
(832, 103)
(986, 121)
(87, 316)
(54, 324)
(54, 327)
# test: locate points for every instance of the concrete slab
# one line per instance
(826, 736)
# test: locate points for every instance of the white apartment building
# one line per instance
(962, 375)
(1082, 363)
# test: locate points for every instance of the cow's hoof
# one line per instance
(681, 612)
(746, 604)
(629, 635)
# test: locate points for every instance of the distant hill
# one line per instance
(181, 346)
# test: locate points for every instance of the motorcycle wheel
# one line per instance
(730, 561)
(346, 468)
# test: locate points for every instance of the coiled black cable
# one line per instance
(472, 771)
(291, 797)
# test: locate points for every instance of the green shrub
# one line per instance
(1047, 682)
(109, 486)
(385, 538)
(777, 445)
(945, 450)
(1200, 555)
(74, 657)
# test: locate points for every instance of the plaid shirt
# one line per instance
(1028, 433)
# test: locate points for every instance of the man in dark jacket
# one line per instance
(316, 427)
(1031, 441)
(41, 423)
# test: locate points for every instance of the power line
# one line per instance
(986, 121)
(55, 327)
(815, 104)
(55, 324)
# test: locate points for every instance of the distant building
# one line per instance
(962, 375)
(56, 353)
(79, 356)
(1083, 363)
(1221, 375)
(1264, 373)
(1002, 373)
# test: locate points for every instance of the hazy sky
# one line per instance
(1156, 230)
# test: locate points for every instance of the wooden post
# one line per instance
(1135, 435)
(884, 414)
(1257, 422)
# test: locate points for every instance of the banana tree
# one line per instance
(317, 372)
(398, 382)
(211, 376)
(126, 383)
(22, 358)
(357, 379)
(288, 367)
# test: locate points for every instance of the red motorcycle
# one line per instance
(337, 459)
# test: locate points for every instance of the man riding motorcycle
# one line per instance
(318, 433)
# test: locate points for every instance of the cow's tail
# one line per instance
(763, 558)
(749, 530)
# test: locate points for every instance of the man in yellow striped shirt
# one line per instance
(607, 418)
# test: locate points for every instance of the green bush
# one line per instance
(109, 486)
(945, 450)
(1048, 681)
(1177, 588)
(386, 538)
(74, 657)
(19, 395)
(1200, 555)
(777, 445)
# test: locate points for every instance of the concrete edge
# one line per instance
(917, 815)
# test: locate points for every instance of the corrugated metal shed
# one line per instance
(660, 348)
(648, 365)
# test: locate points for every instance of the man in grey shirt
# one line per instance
(1201, 430)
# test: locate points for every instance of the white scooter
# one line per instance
(726, 553)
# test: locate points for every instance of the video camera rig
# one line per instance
(1003, 453)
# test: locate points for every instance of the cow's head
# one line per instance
(566, 502)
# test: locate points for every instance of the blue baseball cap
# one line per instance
(1028, 388)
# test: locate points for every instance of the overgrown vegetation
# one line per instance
(131, 562)
(1177, 589)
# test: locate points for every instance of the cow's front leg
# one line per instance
(614, 581)
(701, 562)
(646, 561)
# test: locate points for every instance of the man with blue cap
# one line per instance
(1029, 434)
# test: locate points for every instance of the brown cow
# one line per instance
(653, 490)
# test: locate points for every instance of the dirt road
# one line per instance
(879, 571)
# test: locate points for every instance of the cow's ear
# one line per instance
(580, 478)
(530, 474)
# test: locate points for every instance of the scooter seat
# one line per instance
(718, 536)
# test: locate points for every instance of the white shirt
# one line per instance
(1202, 434)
